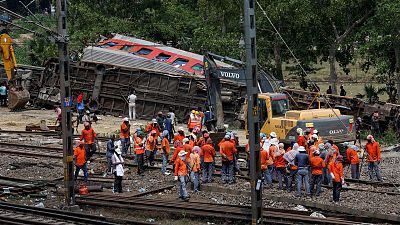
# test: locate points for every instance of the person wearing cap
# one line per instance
(89, 136)
(302, 161)
(180, 172)
(153, 126)
(352, 158)
(118, 168)
(320, 139)
(273, 135)
(165, 150)
(317, 165)
(289, 157)
(336, 172)
(139, 151)
(227, 150)
(124, 134)
(195, 167)
(374, 157)
(169, 126)
(317, 141)
(280, 166)
(151, 144)
(208, 154)
(110, 152)
(86, 117)
(301, 140)
(80, 161)
(132, 105)
(311, 147)
(180, 135)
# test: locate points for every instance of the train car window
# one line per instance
(144, 51)
(197, 67)
(127, 48)
(180, 62)
(108, 44)
(163, 57)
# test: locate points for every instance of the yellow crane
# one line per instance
(18, 96)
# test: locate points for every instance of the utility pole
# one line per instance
(253, 124)
(66, 101)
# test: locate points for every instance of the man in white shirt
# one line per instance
(132, 103)
(171, 112)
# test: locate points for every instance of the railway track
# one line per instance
(31, 151)
(206, 210)
(27, 215)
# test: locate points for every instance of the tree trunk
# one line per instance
(332, 64)
(397, 68)
(278, 62)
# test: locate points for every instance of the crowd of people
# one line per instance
(305, 164)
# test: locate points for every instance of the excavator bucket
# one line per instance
(17, 99)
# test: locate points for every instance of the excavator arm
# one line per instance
(8, 56)
(18, 96)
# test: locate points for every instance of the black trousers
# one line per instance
(337, 187)
(90, 150)
(117, 183)
(140, 162)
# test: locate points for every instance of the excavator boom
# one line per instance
(8, 56)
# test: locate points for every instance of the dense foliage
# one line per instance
(333, 31)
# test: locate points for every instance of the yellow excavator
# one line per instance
(18, 96)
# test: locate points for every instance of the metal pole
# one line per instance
(66, 101)
(253, 125)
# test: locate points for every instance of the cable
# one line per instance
(299, 63)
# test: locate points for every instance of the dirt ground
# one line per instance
(49, 169)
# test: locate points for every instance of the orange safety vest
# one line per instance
(138, 150)
(193, 122)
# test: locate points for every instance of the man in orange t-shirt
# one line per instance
(208, 154)
(80, 161)
(317, 164)
(124, 134)
(150, 147)
(227, 150)
(89, 136)
(373, 158)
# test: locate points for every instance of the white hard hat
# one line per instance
(315, 131)
(87, 111)
(126, 119)
(154, 120)
(272, 134)
(302, 149)
(314, 136)
(180, 129)
(182, 153)
(185, 140)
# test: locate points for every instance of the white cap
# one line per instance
(126, 119)
(87, 111)
(315, 131)
(314, 136)
(180, 129)
(302, 149)
(182, 153)
(185, 140)
(154, 120)
(272, 134)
